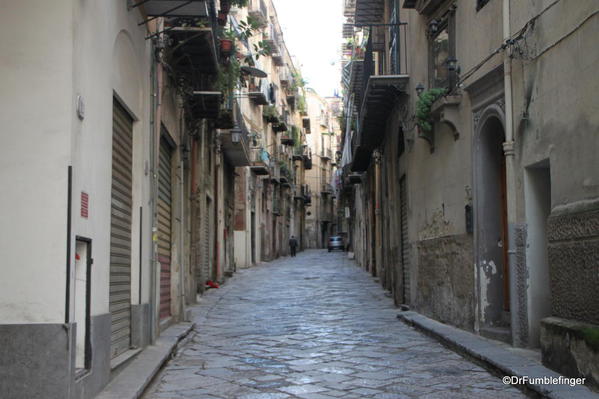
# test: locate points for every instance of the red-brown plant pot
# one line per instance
(226, 46)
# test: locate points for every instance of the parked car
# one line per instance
(336, 242)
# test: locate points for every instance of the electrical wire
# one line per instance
(515, 37)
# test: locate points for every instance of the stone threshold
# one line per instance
(137, 376)
(495, 358)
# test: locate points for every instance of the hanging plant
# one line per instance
(270, 114)
(423, 108)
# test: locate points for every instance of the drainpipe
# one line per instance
(377, 212)
(182, 270)
(508, 149)
(154, 126)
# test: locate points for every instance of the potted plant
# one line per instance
(227, 42)
(270, 114)
(423, 108)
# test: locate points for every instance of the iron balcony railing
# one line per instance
(260, 155)
(396, 48)
(259, 10)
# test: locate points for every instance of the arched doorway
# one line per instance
(491, 237)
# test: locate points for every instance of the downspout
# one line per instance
(377, 213)
(155, 128)
(508, 149)
(153, 111)
(182, 270)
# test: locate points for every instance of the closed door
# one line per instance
(120, 230)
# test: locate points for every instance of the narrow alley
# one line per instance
(313, 327)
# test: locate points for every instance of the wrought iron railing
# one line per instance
(260, 155)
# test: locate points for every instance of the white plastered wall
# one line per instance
(35, 110)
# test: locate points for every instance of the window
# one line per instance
(441, 33)
(440, 54)
(480, 4)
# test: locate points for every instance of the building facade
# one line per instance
(321, 214)
(465, 171)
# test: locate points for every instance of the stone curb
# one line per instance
(136, 377)
(495, 358)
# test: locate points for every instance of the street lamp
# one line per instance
(419, 89)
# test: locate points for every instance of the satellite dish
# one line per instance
(258, 73)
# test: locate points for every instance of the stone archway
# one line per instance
(490, 222)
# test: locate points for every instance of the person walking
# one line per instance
(292, 245)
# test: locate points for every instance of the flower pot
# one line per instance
(226, 46)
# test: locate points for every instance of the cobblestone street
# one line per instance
(313, 327)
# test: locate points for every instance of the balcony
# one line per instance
(292, 96)
(173, 8)
(286, 175)
(235, 141)
(298, 154)
(287, 140)
(369, 11)
(277, 56)
(326, 189)
(275, 172)
(259, 93)
(282, 125)
(285, 78)
(349, 8)
(379, 96)
(257, 9)
(307, 194)
(326, 154)
(270, 36)
(192, 55)
(260, 161)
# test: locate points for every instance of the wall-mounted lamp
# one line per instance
(452, 64)
(433, 26)
(419, 89)
(235, 135)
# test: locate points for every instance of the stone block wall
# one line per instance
(445, 280)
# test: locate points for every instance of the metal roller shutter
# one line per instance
(165, 226)
(120, 230)
(405, 259)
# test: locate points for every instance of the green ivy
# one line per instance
(423, 107)
(239, 3)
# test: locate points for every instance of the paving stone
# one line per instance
(313, 327)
